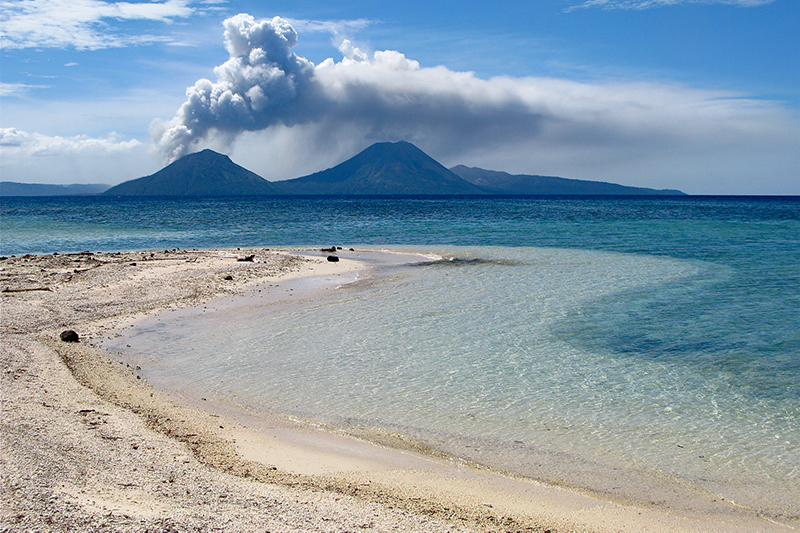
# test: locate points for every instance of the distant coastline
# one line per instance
(12, 188)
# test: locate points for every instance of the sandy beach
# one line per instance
(87, 445)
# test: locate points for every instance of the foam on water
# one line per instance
(576, 366)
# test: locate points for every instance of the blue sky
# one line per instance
(702, 96)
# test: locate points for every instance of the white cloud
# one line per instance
(647, 4)
(14, 141)
(336, 28)
(35, 158)
(17, 89)
(83, 24)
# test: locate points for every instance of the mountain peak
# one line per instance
(383, 168)
(204, 173)
(207, 153)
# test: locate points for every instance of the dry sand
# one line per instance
(88, 446)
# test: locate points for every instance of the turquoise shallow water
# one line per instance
(652, 341)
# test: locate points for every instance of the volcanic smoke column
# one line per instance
(256, 88)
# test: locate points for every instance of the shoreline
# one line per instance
(69, 411)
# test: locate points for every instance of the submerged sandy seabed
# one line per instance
(87, 445)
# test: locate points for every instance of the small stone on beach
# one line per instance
(69, 336)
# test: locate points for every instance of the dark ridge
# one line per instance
(11, 188)
(505, 183)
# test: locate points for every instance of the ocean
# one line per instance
(643, 348)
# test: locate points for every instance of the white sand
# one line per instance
(86, 446)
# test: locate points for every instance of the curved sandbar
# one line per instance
(88, 445)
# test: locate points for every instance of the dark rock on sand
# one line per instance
(333, 259)
(69, 336)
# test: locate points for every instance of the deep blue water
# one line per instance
(698, 227)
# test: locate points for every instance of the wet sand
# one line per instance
(89, 445)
